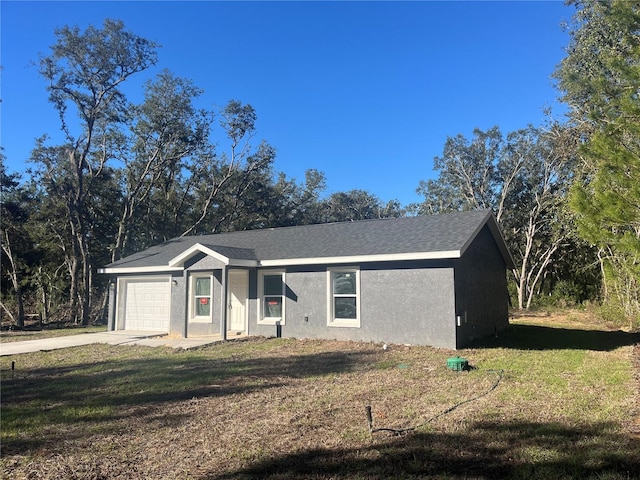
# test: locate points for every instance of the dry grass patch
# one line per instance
(34, 332)
(294, 409)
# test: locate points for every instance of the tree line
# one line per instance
(128, 176)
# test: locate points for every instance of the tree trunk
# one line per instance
(546, 259)
(87, 292)
(73, 289)
(44, 298)
(8, 312)
(14, 275)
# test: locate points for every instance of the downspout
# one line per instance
(223, 300)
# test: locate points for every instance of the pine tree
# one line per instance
(600, 78)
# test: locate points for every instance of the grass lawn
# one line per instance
(565, 408)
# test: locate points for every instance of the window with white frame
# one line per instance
(201, 295)
(272, 297)
(343, 302)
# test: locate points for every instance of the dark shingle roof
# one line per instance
(381, 237)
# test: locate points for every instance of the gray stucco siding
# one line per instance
(398, 304)
(413, 306)
(306, 303)
(201, 261)
(177, 325)
(481, 290)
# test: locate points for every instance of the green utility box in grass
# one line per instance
(457, 363)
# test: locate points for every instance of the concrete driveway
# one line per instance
(111, 338)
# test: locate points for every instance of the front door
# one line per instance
(237, 306)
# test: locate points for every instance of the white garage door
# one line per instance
(147, 304)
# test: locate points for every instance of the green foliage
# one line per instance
(130, 176)
(85, 69)
(612, 313)
(14, 241)
(600, 78)
(357, 205)
(563, 294)
(469, 174)
(85, 72)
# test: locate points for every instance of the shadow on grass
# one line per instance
(98, 394)
(485, 450)
(535, 337)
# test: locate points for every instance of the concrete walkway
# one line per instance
(111, 338)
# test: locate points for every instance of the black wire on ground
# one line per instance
(400, 431)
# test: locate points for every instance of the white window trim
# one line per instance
(271, 320)
(192, 298)
(342, 322)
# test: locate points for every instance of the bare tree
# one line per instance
(523, 180)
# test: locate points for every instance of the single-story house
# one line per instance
(430, 280)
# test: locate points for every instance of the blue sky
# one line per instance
(366, 92)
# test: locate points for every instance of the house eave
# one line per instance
(234, 262)
(438, 255)
(173, 267)
(150, 269)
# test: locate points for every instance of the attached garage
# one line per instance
(144, 304)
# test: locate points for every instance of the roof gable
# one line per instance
(408, 238)
(227, 255)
